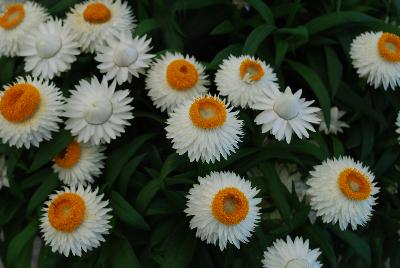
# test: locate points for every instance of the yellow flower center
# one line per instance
(97, 13)
(230, 206)
(389, 47)
(208, 112)
(251, 70)
(182, 75)
(354, 185)
(66, 212)
(20, 102)
(13, 16)
(69, 156)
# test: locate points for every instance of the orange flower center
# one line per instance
(182, 75)
(66, 212)
(13, 16)
(69, 156)
(230, 206)
(354, 185)
(20, 102)
(97, 13)
(251, 70)
(389, 47)
(207, 112)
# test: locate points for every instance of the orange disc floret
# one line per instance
(389, 47)
(13, 16)
(354, 184)
(97, 13)
(182, 75)
(208, 112)
(251, 68)
(20, 102)
(66, 212)
(69, 156)
(230, 206)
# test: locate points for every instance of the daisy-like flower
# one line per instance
(174, 79)
(289, 175)
(124, 57)
(16, 21)
(96, 112)
(342, 190)
(49, 49)
(30, 109)
(243, 79)
(291, 254)
(79, 163)
(205, 128)
(376, 55)
(75, 220)
(336, 126)
(284, 113)
(3, 173)
(96, 21)
(224, 208)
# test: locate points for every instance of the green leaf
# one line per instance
(256, 37)
(49, 184)
(49, 149)
(8, 208)
(335, 69)
(170, 164)
(19, 241)
(263, 10)
(386, 161)
(7, 70)
(123, 254)
(193, 4)
(146, 26)
(147, 193)
(315, 234)
(234, 49)
(280, 52)
(127, 172)
(316, 85)
(223, 28)
(338, 147)
(62, 6)
(180, 254)
(126, 213)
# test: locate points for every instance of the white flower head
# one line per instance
(291, 254)
(398, 125)
(30, 110)
(205, 128)
(4, 182)
(96, 21)
(96, 112)
(223, 208)
(376, 56)
(49, 49)
(342, 190)
(17, 20)
(174, 79)
(336, 126)
(284, 113)
(79, 163)
(75, 220)
(242, 79)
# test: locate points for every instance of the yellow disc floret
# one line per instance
(182, 75)
(389, 47)
(354, 184)
(69, 156)
(230, 206)
(20, 102)
(13, 16)
(208, 112)
(66, 212)
(251, 70)
(97, 13)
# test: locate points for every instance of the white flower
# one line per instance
(243, 79)
(75, 220)
(3, 173)
(284, 113)
(376, 55)
(30, 110)
(79, 163)
(124, 57)
(398, 125)
(342, 190)
(291, 254)
(96, 21)
(96, 112)
(16, 21)
(289, 175)
(49, 49)
(224, 208)
(205, 128)
(174, 79)
(241, 4)
(336, 125)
